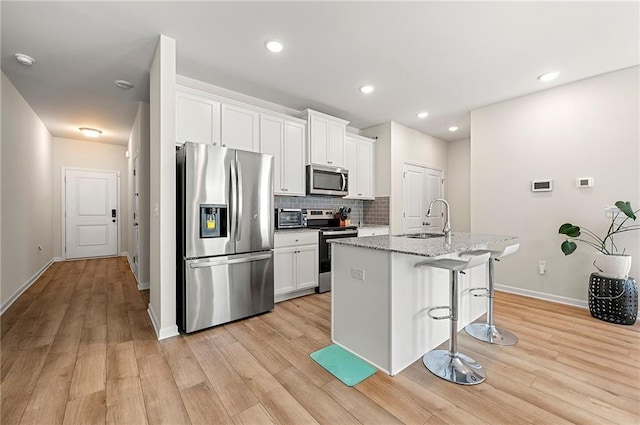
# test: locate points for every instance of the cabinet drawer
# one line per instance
(373, 231)
(282, 239)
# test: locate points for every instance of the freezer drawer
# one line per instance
(222, 289)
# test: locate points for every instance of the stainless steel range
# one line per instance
(329, 228)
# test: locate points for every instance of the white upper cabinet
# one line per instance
(197, 118)
(284, 139)
(359, 162)
(326, 136)
(240, 128)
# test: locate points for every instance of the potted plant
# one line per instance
(610, 262)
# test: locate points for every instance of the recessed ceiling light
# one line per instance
(90, 132)
(124, 84)
(453, 128)
(24, 59)
(423, 114)
(274, 46)
(366, 89)
(548, 76)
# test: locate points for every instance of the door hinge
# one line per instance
(404, 215)
(134, 172)
(442, 182)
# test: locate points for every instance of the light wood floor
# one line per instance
(78, 348)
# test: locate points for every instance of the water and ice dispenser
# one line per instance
(213, 221)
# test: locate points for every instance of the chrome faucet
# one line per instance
(446, 229)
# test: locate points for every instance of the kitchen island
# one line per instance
(380, 295)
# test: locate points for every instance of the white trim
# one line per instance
(57, 259)
(542, 296)
(124, 254)
(24, 287)
(167, 332)
(144, 286)
(63, 206)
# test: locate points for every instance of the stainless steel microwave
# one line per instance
(290, 218)
(323, 180)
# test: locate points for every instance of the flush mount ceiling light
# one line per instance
(453, 128)
(274, 46)
(366, 89)
(90, 132)
(24, 59)
(423, 114)
(548, 76)
(124, 84)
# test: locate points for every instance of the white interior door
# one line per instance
(412, 198)
(136, 216)
(433, 186)
(91, 214)
(421, 185)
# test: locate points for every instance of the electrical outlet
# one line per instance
(542, 266)
(357, 273)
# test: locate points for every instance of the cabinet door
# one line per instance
(351, 149)
(271, 139)
(284, 271)
(318, 140)
(365, 170)
(293, 163)
(337, 133)
(197, 119)
(307, 266)
(240, 128)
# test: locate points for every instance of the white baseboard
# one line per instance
(57, 259)
(542, 296)
(143, 286)
(124, 254)
(167, 332)
(24, 287)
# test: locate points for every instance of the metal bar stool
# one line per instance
(449, 364)
(489, 332)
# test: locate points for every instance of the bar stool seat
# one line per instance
(489, 332)
(449, 364)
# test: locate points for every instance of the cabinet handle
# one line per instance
(329, 162)
(224, 145)
(359, 194)
(297, 240)
(215, 143)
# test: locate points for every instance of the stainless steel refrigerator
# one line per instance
(225, 235)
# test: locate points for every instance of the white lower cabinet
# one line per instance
(295, 264)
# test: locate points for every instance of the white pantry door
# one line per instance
(421, 185)
(91, 215)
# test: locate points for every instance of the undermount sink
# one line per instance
(423, 235)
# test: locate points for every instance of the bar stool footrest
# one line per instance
(480, 291)
(459, 368)
(440, 307)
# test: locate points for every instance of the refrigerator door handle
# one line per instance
(240, 202)
(234, 199)
(234, 261)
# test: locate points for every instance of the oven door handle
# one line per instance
(340, 232)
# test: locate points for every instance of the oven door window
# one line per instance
(325, 249)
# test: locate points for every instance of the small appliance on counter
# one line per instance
(291, 218)
(224, 235)
(329, 228)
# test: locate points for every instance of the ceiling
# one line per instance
(446, 58)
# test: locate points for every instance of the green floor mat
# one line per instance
(345, 366)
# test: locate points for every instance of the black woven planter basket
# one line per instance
(613, 300)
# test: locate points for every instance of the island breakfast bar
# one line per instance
(380, 295)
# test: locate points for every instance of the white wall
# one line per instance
(162, 190)
(139, 147)
(458, 184)
(26, 194)
(382, 166)
(585, 129)
(409, 145)
(87, 155)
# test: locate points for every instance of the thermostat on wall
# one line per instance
(584, 182)
(541, 185)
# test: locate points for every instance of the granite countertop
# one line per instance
(296, 230)
(424, 247)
